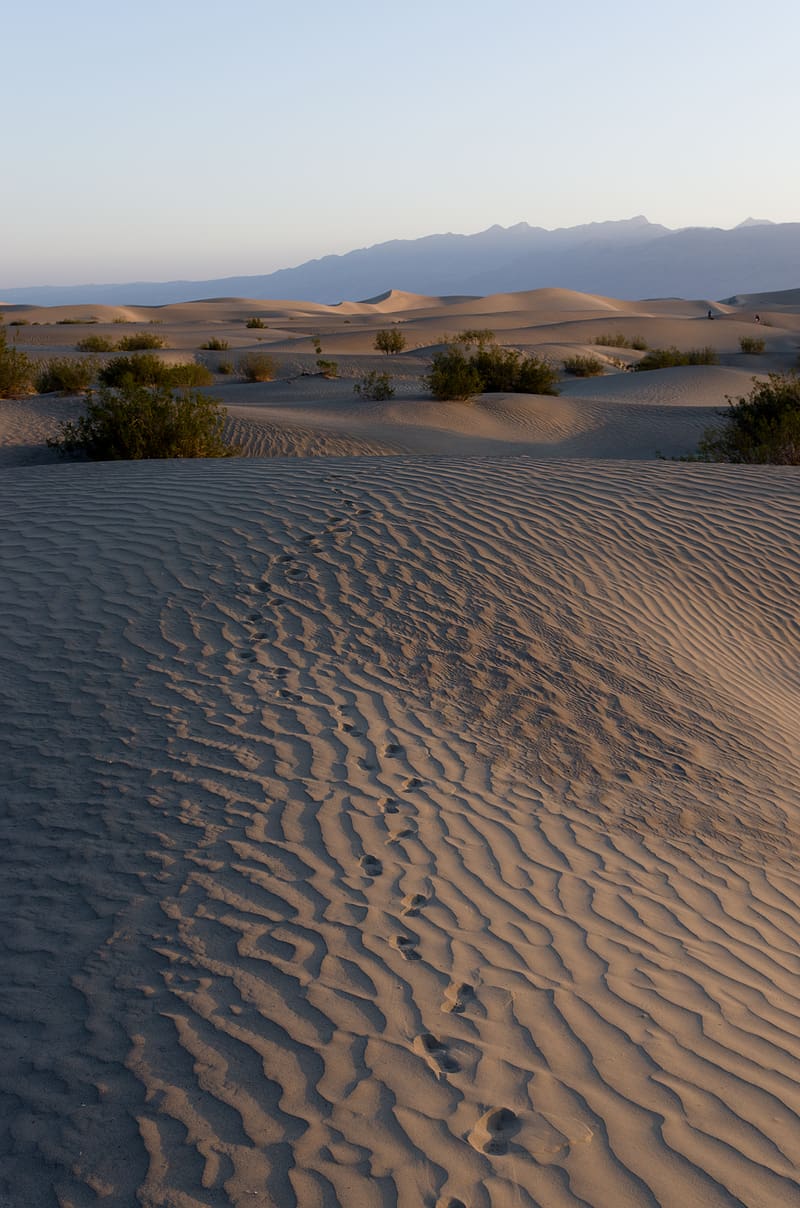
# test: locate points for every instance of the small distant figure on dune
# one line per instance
(758, 318)
(711, 314)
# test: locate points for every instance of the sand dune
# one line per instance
(406, 814)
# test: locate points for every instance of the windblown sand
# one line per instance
(407, 813)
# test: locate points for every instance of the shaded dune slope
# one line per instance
(421, 832)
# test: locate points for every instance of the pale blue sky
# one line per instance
(184, 138)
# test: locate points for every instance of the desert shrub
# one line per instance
(256, 322)
(475, 337)
(389, 341)
(375, 386)
(136, 422)
(139, 342)
(583, 366)
(225, 367)
(452, 376)
(74, 322)
(328, 369)
(257, 367)
(95, 344)
(506, 369)
(763, 427)
(668, 358)
(618, 340)
(16, 370)
(612, 341)
(752, 345)
(147, 370)
(70, 375)
(121, 319)
(215, 345)
(18, 322)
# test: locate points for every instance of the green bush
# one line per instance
(669, 358)
(136, 422)
(256, 322)
(139, 342)
(618, 340)
(225, 367)
(257, 367)
(67, 374)
(375, 386)
(389, 341)
(752, 345)
(17, 370)
(74, 322)
(18, 322)
(454, 375)
(95, 344)
(148, 370)
(215, 345)
(328, 369)
(474, 337)
(583, 366)
(763, 427)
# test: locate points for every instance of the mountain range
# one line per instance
(631, 259)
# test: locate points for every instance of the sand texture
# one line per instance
(407, 813)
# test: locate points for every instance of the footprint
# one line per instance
(412, 903)
(392, 749)
(389, 805)
(371, 865)
(412, 783)
(457, 997)
(494, 1129)
(407, 832)
(246, 655)
(450, 1202)
(406, 947)
(436, 1054)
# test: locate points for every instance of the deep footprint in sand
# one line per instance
(389, 805)
(406, 946)
(436, 1054)
(371, 866)
(457, 997)
(493, 1131)
(412, 903)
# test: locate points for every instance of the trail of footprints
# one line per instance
(492, 1133)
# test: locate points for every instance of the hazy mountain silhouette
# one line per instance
(632, 259)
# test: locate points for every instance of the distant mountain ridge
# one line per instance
(631, 258)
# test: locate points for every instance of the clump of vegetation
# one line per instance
(752, 345)
(18, 322)
(225, 367)
(375, 386)
(328, 369)
(669, 358)
(583, 366)
(763, 427)
(74, 322)
(317, 342)
(215, 345)
(259, 324)
(474, 337)
(95, 344)
(136, 422)
(17, 370)
(389, 341)
(618, 340)
(69, 375)
(257, 367)
(139, 342)
(454, 375)
(148, 370)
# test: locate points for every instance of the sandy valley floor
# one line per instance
(406, 812)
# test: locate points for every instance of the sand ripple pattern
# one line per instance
(400, 832)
